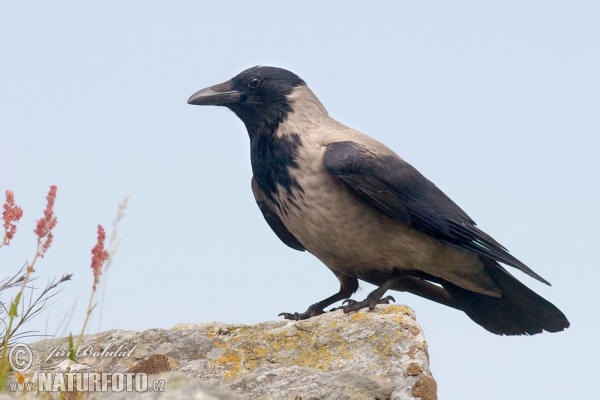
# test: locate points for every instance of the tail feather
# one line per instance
(520, 311)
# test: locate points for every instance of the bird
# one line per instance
(369, 215)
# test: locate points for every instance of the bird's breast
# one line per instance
(335, 225)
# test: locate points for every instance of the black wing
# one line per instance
(273, 219)
(399, 191)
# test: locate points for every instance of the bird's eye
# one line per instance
(253, 83)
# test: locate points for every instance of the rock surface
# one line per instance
(365, 355)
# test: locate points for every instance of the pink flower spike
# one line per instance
(99, 256)
(46, 224)
(12, 214)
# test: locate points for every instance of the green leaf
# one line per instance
(13, 307)
(71, 348)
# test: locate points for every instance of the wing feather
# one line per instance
(399, 191)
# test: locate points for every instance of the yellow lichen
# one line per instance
(232, 361)
(397, 309)
(358, 316)
(181, 327)
(314, 343)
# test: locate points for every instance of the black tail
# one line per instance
(519, 311)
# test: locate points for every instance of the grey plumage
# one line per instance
(367, 214)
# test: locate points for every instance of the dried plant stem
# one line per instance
(11, 317)
(12, 213)
(87, 318)
(102, 259)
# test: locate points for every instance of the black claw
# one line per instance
(387, 300)
(349, 309)
(312, 311)
(370, 302)
(295, 316)
(348, 305)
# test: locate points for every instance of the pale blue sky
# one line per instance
(498, 104)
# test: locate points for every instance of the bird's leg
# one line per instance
(315, 309)
(348, 285)
(375, 297)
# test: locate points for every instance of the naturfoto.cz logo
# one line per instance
(68, 375)
(88, 382)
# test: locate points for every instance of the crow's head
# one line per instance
(259, 96)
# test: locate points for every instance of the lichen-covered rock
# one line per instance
(365, 355)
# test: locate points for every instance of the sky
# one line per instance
(495, 102)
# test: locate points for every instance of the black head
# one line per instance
(257, 96)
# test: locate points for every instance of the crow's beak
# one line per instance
(215, 95)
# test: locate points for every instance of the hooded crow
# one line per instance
(369, 215)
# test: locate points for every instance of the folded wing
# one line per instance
(399, 191)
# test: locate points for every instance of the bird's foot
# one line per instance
(375, 297)
(312, 311)
(350, 305)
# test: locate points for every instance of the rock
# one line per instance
(365, 355)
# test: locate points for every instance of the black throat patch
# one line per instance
(262, 109)
(272, 158)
